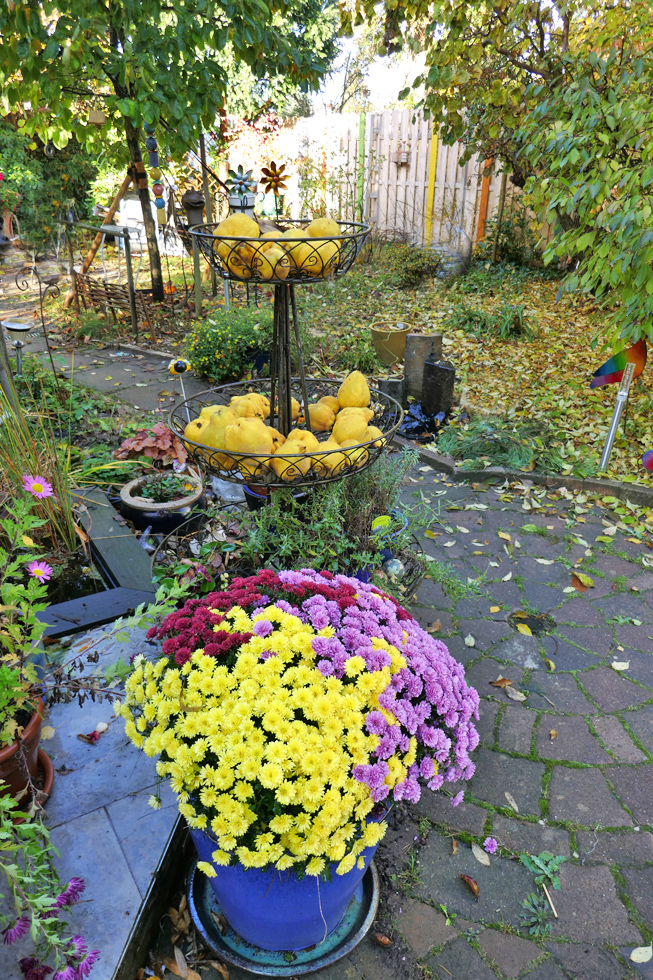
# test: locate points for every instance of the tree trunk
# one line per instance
(144, 196)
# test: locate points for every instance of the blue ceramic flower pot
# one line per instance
(276, 910)
(390, 538)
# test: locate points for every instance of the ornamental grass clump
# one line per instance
(291, 709)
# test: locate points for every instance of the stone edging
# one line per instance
(636, 493)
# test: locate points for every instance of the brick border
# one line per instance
(636, 493)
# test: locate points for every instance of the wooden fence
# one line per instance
(391, 169)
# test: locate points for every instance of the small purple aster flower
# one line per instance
(490, 845)
(37, 486)
(13, 933)
(458, 798)
(40, 570)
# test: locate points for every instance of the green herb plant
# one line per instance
(545, 868)
(163, 488)
(535, 916)
(410, 265)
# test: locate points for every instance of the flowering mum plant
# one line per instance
(288, 706)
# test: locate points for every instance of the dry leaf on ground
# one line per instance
(502, 682)
(472, 885)
(381, 939)
(515, 695)
(480, 855)
(620, 664)
(511, 801)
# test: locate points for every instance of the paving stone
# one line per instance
(568, 657)
(562, 690)
(422, 927)
(88, 849)
(643, 582)
(579, 612)
(589, 909)
(623, 849)
(611, 690)
(432, 594)
(342, 970)
(461, 961)
(456, 647)
(486, 670)
(617, 740)
(542, 598)
(614, 567)
(639, 884)
(583, 797)
(641, 665)
(516, 729)
(540, 547)
(485, 631)
(510, 953)
(521, 650)
(438, 809)
(426, 617)
(533, 571)
(625, 604)
(136, 826)
(502, 885)
(641, 722)
(477, 607)
(369, 961)
(574, 742)
(529, 838)
(595, 639)
(586, 962)
(549, 970)
(110, 769)
(643, 969)
(634, 787)
(497, 774)
(637, 637)
(488, 711)
(506, 594)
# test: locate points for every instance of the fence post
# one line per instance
(430, 190)
(361, 165)
(485, 194)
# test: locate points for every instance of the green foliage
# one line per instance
(498, 442)
(499, 278)
(535, 916)
(354, 351)
(162, 488)
(410, 265)
(545, 867)
(331, 528)
(517, 242)
(49, 189)
(146, 63)
(444, 574)
(223, 346)
(506, 322)
(560, 94)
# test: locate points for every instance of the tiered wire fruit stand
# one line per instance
(285, 263)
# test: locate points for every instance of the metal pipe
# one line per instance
(622, 398)
(130, 283)
(197, 276)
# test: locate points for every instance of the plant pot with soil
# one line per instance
(161, 500)
(289, 711)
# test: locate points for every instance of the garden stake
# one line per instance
(622, 398)
(546, 892)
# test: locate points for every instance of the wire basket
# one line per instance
(268, 469)
(282, 260)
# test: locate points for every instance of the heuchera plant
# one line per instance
(159, 443)
(289, 706)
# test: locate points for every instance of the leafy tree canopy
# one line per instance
(146, 62)
(559, 90)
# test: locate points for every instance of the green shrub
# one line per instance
(506, 322)
(409, 265)
(517, 241)
(224, 346)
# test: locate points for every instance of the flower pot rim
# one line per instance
(142, 503)
(383, 326)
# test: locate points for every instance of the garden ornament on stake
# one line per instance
(622, 398)
(613, 369)
(177, 368)
(242, 190)
(273, 180)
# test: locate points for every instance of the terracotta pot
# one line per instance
(12, 772)
(389, 341)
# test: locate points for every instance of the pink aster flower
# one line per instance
(37, 486)
(458, 798)
(490, 845)
(40, 570)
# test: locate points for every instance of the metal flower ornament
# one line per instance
(273, 178)
(240, 182)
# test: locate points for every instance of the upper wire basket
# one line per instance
(292, 259)
(262, 466)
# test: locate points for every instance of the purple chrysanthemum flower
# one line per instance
(78, 947)
(71, 892)
(490, 845)
(263, 628)
(68, 973)
(458, 798)
(86, 965)
(33, 969)
(13, 933)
